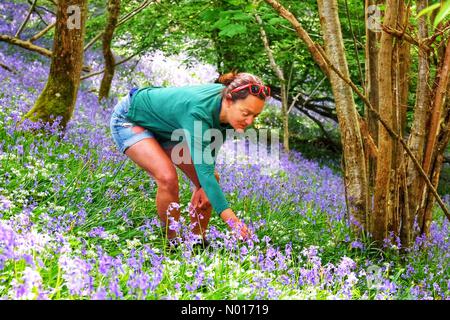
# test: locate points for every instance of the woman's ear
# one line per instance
(228, 100)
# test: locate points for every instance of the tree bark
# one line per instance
(372, 43)
(383, 207)
(416, 141)
(108, 75)
(60, 93)
(355, 169)
(438, 137)
(401, 67)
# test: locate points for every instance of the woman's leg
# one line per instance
(199, 217)
(150, 156)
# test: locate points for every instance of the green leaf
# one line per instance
(233, 29)
(235, 2)
(221, 24)
(210, 15)
(445, 10)
(276, 21)
(241, 16)
(429, 9)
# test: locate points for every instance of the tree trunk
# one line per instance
(383, 207)
(60, 93)
(416, 141)
(401, 67)
(355, 169)
(438, 137)
(113, 15)
(372, 43)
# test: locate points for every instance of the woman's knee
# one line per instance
(167, 180)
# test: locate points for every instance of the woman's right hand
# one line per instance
(235, 224)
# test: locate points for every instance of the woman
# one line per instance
(142, 126)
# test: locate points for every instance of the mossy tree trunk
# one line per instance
(60, 92)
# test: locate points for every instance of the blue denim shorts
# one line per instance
(122, 128)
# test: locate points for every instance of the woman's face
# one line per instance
(242, 112)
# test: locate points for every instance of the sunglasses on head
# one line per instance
(254, 89)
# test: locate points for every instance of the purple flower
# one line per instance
(5, 204)
(76, 275)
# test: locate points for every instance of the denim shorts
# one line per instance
(122, 128)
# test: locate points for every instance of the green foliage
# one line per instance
(444, 11)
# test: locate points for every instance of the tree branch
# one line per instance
(122, 20)
(43, 8)
(402, 35)
(116, 64)
(431, 39)
(265, 41)
(4, 66)
(393, 135)
(22, 26)
(42, 32)
(321, 127)
(308, 97)
(313, 48)
(25, 44)
(32, 47)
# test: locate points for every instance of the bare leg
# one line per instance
(200, 219)
(150, 156)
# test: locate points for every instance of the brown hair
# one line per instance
(233, 80)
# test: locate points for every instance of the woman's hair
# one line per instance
(233, 80)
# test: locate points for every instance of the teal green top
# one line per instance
(163, 110)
